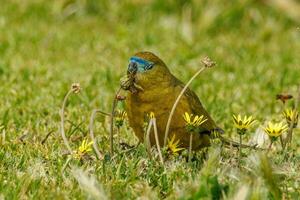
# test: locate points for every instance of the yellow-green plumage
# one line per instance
(160, 90)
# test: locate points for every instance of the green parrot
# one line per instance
(153, 88)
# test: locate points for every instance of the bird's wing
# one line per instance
(197, 108)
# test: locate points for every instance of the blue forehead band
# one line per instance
(143, 65)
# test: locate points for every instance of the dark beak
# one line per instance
(132, 68)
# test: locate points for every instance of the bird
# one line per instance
(152, 88)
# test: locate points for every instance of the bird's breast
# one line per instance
(158, 101)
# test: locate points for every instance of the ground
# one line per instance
(45, 46)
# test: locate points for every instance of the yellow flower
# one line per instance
(173, 146)
(242, 125)
(83, 149)
(147, 119)
(120, 117)
(196, 121)
(275, 130)
(152, 115)
(291, 116)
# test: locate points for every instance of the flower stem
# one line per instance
(62, 122)
(282, 142)
(289, 137)
(190, 148)
(147, 139)
(270, 146)
(177, 101)
(240, 147)
(118, 135)
(157, 141)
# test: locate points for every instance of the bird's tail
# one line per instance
(232, 143)
(218, 132)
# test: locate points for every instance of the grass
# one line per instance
(45, 46)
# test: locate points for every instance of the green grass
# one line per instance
(45, 46)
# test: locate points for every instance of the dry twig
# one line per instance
(91, 125)
(115, 101)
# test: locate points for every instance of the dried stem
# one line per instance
(115, 101)
(157, 141)
(177, 101)
(46, 137)
(147, 139)
(62, 121)
(91, 128)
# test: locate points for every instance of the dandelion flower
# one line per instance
(120, 117)
(192, 125)
(83, 149)
(193, 122)
(152, 115)
(274, 130)
(291, 116)
(243, 124)
(173, 146)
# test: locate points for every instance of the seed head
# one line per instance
(208, 63)
(75, 88)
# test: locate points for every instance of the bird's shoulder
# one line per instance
(193, 101)
(189, 94)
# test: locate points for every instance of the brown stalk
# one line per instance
(46, 137)
(112, 115)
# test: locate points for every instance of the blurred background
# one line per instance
(47, 45)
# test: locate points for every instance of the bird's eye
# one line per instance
(149, 66)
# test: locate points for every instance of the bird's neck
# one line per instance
(152, 81)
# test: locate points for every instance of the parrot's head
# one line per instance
(148, 70)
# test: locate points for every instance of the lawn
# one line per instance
(46, 46)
